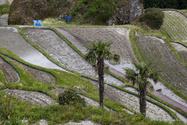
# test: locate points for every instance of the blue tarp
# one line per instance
(37, 22)
(68, 18)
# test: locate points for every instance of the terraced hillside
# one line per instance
(36, 78)
(175, 24)
(156, 51)
(119, 36)
(182, 50)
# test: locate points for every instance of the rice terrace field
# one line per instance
(37, 64)
(175, 24)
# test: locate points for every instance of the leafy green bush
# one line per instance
(4, 9)
(70, 98)
(153, 17)
(116, 57)
(102, 9)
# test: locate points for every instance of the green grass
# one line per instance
(4, 9)
(175, 25)
(55, 114)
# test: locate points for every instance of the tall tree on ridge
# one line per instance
(97, 52)
(140, 77)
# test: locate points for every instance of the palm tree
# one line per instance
(97, 52)
(140, 77)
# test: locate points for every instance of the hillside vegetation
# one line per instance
(175, 24)
(25, 11)
(4, 8)
(177, 4)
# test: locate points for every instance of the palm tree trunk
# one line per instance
(100, 64)
(142, 101)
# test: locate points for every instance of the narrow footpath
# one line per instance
(79, 46)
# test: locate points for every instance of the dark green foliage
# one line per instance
(102, 9)
(177, 4)
(153, 17)
(70, 98)
(116, 57)
(140, 77)
(24, 12)
(4, 9)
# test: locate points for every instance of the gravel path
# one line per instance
(12, 40)
(9, 72)
(63, 53)
(31, 97)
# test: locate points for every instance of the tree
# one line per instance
(140, 77)
(97, 52)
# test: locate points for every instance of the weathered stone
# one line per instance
(126, 12)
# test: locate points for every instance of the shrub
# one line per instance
(70, 98)
(116, 57)
(4, 9)
(98, 10)
(153, 17)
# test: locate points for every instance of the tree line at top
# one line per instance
(175, 4)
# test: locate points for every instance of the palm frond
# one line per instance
(131, 75)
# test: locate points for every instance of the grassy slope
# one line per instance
(175, 25)
(4, 9)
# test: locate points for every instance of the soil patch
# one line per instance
(119, 36)
(9, 72)
(31, 97)
(39, 75)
